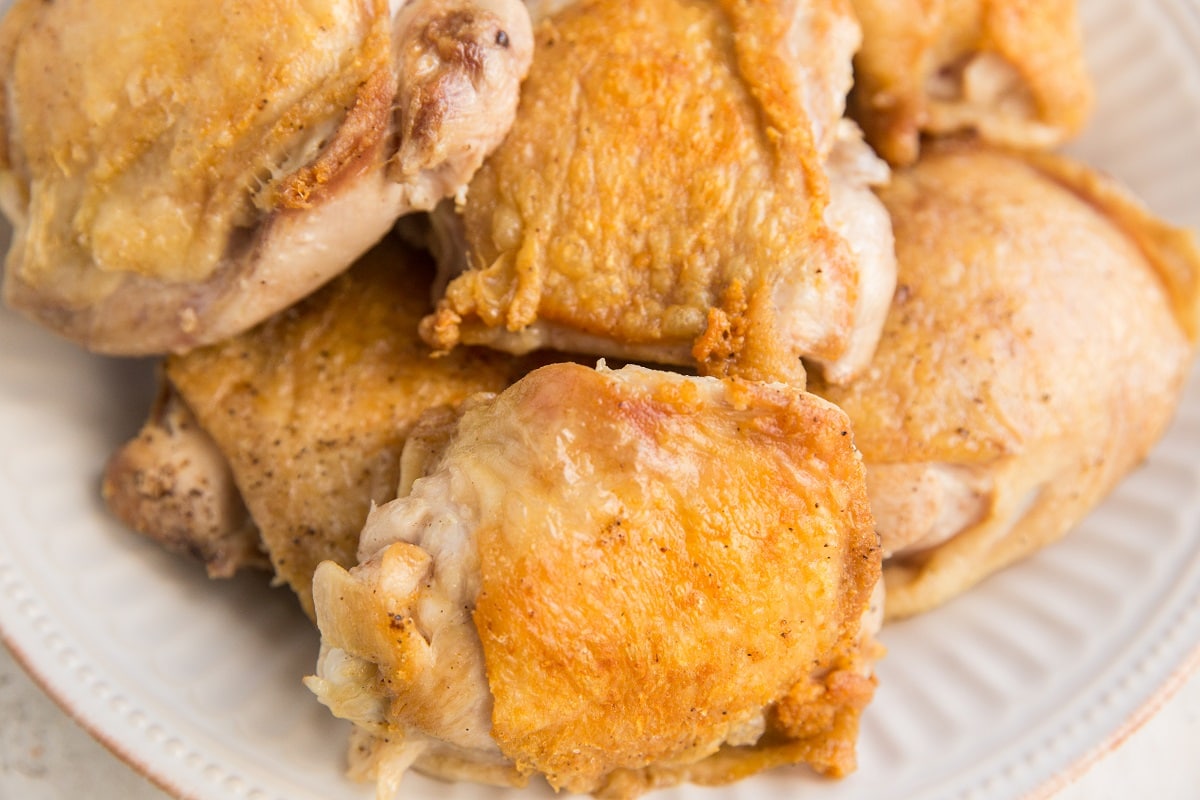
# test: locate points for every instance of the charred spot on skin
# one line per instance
(455, 38)
(427, 120)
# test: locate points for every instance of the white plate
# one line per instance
(995, 695)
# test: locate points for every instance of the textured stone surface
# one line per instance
(44, 755)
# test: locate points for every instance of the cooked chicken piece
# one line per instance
(178, 170)
(171, 483)
(311, 408)
(1037, 344)
(678, 187)
(1010, 70)
(616, 579)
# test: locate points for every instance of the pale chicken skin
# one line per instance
(1011, 71)
(679, 186)
(178, 170)
(310, 410)
(619, 580)
(171, 483)
(1039, 337)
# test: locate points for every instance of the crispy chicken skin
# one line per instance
(1038, 340)
(171, 483)
(311, 408)
(178, 170)
(1010, 70)
(679, 187)
(615, 579)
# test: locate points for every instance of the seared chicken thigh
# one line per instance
(306, 415)
(178, 170)
(1037, 343)
(679, 187)
(1009, 70)
(619, 580)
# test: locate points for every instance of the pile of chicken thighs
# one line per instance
(600, 375)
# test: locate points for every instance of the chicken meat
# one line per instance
(172, 483)
(680, 187)
(1037, 344)
(616, 579)
(178, 170)
(303, 418)
(1012, 71)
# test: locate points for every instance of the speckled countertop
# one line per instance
(45, 756)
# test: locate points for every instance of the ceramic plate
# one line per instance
(993, 696)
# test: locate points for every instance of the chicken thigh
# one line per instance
(178, 170)
(303, 418)
(1010, 70)
(679, 187)
(616, 579)
(1038, 340)
(173, 484)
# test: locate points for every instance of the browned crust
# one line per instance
(16, 20)
(579, 104)
(741, 339)
(355, 147)
(599, 678)
(461, 54)
(760, 29)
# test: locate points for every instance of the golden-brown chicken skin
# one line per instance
(679, 187)
(1039, 337)
(616, 579)
(1010, 70)
(178, 170)
(311, 408)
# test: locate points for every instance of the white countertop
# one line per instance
(45, 756)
